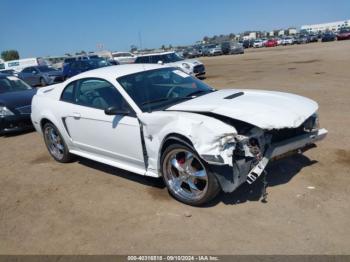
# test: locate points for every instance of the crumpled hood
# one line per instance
(264, 109)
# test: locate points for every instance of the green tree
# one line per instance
(10, 55)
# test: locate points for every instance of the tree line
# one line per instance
(9, 55)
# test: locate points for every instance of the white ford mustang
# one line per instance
(157, 121)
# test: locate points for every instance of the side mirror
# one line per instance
(111, 111)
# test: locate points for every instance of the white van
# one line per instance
(20, 64)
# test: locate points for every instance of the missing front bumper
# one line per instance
(283, 148)
(231, 178)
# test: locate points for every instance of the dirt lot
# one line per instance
(88, 208)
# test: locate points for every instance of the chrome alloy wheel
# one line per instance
(54, 142)
(185, 174)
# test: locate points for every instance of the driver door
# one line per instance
(114, 137)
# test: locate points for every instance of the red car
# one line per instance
(271, 43)
(344, 34)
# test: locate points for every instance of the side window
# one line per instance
(68, 93)
(27, 70)
(142, 60)
(98, 93)
(155, 59)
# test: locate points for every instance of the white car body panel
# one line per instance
(258, 44)
(265, 109)
(124, 57)
(204, 132)
(134, 143)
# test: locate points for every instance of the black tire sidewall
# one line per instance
(43, 82)
(213, 185)
(67, 157)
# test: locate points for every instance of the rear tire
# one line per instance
(55, 144)
(187, 177)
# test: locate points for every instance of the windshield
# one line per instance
(345, 30)
(12, 84)
(46, 69)
(172, 57)
(161, 88)
(97, 63)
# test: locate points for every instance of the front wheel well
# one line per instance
(43, 122)
(175, 138)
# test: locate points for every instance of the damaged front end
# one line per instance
(244, 157)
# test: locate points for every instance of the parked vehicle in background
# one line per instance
(9, 72)
(206, 49)
(15, 104)
(226, 48)
(19, 65)
(41, 75)
(158, 121)
(190, 53)
(271, 43)
(288, 40)
(190, 66)
(214, 51)
(344, 34)
(302, 39)
(247, 43)
(328, 37)
(124, 57)
(264, 40)
(313, 38)
(279, 41)
(79, 58)
(78, 66)
(236, 48)
(258, 43)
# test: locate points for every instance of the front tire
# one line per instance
(43, 82)
(55, 144)
(187, 177)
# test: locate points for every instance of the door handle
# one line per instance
(76, 115)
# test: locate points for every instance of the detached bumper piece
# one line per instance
(279, 150)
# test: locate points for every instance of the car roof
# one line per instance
(118, 70)
(161, 53)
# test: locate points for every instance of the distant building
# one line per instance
(249, 35)
(281, 32)
(332, 26)
(292, 31)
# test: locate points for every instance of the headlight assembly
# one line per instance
(4, 111)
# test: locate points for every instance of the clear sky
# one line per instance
(54, 27)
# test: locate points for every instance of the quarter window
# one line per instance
(68, 93)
